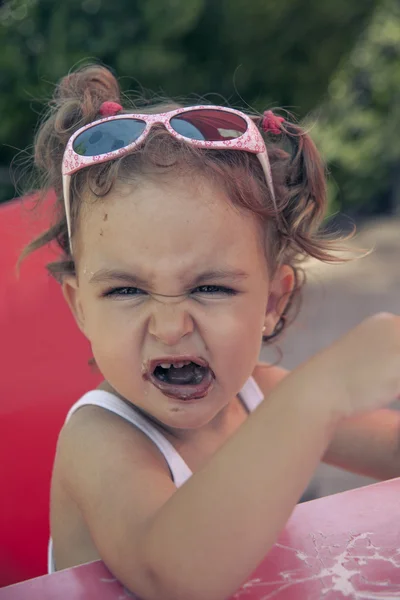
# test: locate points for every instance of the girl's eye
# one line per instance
(124, 292)
(215, 290)
(205, 290)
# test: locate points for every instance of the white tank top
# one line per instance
(250, 395)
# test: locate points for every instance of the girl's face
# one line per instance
(169, 272)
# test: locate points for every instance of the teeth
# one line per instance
(177, 365)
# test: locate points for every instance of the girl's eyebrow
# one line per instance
(106, 275)
(220, 274)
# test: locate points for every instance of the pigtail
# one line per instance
(306, 199)
(301, 201)
(77, 100)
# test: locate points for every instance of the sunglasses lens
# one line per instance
(108, 137)
(209, 125)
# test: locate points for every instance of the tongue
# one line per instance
(188, 375)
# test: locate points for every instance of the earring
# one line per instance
(278, 328)
(263, 329)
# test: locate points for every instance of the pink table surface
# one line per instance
(341, 546)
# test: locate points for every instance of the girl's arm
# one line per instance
(367, 444)
(203, 540)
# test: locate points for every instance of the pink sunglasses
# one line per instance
(210, 127)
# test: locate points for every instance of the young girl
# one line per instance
(181, 232)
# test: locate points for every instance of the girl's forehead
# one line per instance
(179, 220)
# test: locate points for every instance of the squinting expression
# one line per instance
(171, 268)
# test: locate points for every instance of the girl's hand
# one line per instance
(363, 367)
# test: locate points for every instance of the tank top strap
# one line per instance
(251, 394)
(180, 472)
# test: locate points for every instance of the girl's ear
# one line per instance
(71, 292)
(281, 288)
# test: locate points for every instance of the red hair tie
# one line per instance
(272, 123)
(109, 109)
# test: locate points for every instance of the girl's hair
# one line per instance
(291, 222)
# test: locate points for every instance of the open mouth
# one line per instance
(184, 378)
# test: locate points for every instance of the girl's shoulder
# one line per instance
(268, 376)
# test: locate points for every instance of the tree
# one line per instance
(357, 128)
(256, 52)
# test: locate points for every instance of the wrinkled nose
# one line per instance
(169, 323)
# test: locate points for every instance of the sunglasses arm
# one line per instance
(66, 193)
(263, 158)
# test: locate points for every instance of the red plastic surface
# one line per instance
(44, 370)
(340, 547)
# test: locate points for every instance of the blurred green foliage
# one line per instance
(264, 53)
(358, 127)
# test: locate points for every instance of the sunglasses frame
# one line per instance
(250, 141)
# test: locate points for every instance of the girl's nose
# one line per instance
(169, 323)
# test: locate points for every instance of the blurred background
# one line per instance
(335, 65)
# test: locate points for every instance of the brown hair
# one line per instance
(291, 222)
